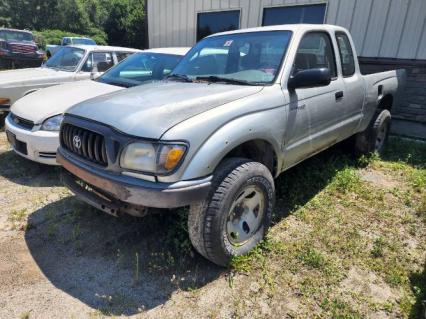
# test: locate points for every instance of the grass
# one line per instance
(330, 220)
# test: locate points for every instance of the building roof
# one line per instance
(171, 50)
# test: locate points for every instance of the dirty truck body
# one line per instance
(238, 110)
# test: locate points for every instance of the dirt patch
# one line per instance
(378, 178)
(368, 284)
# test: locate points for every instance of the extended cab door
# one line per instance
(354, 85)
(315, 112)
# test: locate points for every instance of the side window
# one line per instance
(315, 51)
(346, 54)
(102, 60)
(122, 55)
(67, 41)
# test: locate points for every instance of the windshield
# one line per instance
(251, 58)
(66, 59)
(15, 35)
(83, 41)
(140, 68)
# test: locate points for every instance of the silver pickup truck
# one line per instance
(239, 109)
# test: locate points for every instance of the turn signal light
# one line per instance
(173, 158)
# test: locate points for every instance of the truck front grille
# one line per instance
(84, 143)
(23, 48)
(21, 122)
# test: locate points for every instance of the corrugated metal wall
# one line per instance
(380, 28)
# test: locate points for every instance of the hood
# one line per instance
(55, 100)
(149, 110)
(12, 78)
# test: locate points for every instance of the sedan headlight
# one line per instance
(152, 157)
(52, 123)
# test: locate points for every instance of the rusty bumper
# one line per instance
(100, 188)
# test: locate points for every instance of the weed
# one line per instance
(312, 258)
(378, 248)
(339, 309)
(347, 180)
(25, 315)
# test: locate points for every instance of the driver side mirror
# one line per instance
(310, 78)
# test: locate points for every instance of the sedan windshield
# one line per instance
(83, 41)
(252, 58)
(66, 59)
(140, 68)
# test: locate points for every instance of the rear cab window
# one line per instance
(346, 54)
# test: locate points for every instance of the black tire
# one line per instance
(208, 223)
(375, 135)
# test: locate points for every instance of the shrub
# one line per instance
(55, 36)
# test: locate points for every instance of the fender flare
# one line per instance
(223, 140)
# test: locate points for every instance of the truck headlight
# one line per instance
(158, 158)
(52, 123)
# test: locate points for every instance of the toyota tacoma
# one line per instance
(238, 110)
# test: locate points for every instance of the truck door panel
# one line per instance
(313, 111)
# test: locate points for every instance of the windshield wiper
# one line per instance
(215, 79)
(183, 77)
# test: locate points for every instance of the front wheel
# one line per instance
(236, 215)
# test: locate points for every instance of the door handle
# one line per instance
(339, 95)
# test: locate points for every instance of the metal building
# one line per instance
(388, 34)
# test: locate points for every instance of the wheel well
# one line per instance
(386, 102)
(257, 150)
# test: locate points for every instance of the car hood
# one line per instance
(55, 100)
(149, 110)
(13, 78)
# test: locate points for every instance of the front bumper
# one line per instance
(113, 192)
(40, 146)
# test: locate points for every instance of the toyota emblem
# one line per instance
(77, 141)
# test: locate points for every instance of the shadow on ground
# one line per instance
(418, 285)
(116, 265)
(28, 173)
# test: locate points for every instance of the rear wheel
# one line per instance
(373, 139)
(236, 216)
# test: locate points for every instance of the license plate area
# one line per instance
(17, 145)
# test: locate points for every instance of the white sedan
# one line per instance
(32, 127)
(71, 63)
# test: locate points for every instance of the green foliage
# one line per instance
(54, 37)
(118, 22)
(339, 309)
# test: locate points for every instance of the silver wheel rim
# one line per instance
(245, 216)
(381, 136)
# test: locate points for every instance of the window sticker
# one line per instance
(228, 43)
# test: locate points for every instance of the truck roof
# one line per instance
(176, 51)
(286, 27)
(15, 30)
